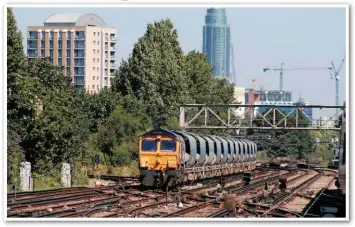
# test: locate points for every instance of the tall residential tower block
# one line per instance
(216, 42)
(81, 43)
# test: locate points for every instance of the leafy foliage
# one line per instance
(155, 71)
(285, 143)
(50, 121)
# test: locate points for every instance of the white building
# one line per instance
(239, 97)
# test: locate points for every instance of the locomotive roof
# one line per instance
(161, 132)
(165, 132)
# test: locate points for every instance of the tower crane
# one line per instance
(282, 69)
(335, 74)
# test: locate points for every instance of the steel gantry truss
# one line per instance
(222, 116)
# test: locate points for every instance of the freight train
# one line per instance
(169, 158)
(341, 181)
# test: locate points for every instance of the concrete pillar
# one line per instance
(66, 176)
(26, 177)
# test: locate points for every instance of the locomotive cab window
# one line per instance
(149, 145)
(168, 145)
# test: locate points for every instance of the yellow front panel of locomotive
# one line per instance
(156, 158)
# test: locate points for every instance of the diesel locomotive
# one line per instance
(169, 158)
(341, 181)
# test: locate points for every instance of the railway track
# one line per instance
(128, 199)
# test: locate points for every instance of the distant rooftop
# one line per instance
(74, 19)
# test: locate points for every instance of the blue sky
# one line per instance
(298, 37)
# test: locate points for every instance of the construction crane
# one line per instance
(282, 69)
(335, 74)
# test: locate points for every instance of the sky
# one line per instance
(262, 37)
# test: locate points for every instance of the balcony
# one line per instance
(79, 37)
(112, 66)
(113, 39)
(32, 38)
(113, 48)
(32, 47)
(79, 54)
(32, 55)
(79, 82)
(112, 57)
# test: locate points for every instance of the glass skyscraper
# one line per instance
(216, 42)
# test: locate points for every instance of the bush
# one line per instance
(46, 181)
(80, 176)
(121, 154)
(127, 170)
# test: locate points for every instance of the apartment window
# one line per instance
(93, 86)
(94, 33)
(97, 60)
(98, 51)
(93, 78)
(97, 86)
(68, 35)
(94, 42)
(97, 69)
(60, 35)
(94, 51)
(98, 42)
(60, 44)
(98, 34)
(33, 34)
(93, 68)
(68, 44)
(93, 60)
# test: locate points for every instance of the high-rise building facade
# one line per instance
(216, 42)
(81, 43)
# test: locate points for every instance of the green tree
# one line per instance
(117, 137)
(15, 67)
(155, 71)
(100, 106)
(284, 143)
(204, 89)
(55, 119)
